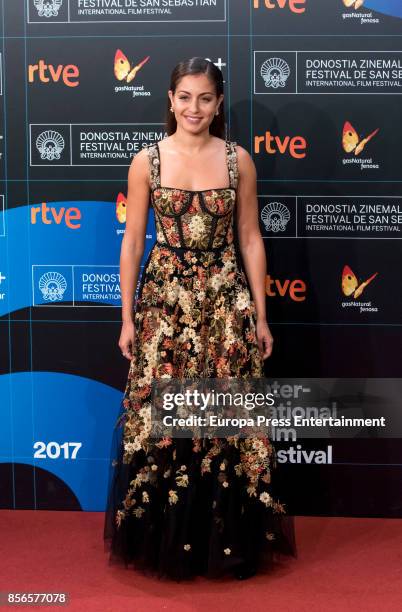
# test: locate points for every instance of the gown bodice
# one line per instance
(201, 220)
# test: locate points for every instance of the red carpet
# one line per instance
(344, 564)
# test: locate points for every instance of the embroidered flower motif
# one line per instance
(197, 227)
(216, 282)
(138, 512)
(227, 551)
(270, 536)
(173, 497)
(187, 547)
(243, 300)
(182, 480)
(262, 453)
(131, 447)
(128, 502)
(164, 442)
(205, 465)
(120, 515)
(238, 469)
(266, 498)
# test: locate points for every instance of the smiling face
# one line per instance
(195, 102)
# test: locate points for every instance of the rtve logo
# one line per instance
(295, 6)
(295, 146)
(295, 289)
(47, 73)
(68, 215)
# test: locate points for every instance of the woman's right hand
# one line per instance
(127, 339)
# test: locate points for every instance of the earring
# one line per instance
(217, 112)
(171, 109)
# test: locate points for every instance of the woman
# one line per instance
(181, 507)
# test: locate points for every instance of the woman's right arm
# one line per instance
(132, 247)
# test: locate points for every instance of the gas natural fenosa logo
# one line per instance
(121, 207)
(121, 204)
(351, 286)
(125, 72)
(351, 141)
(354, 4)
(360, 14)
(353, 144)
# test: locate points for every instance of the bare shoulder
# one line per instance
(142, 156)
(245, 162)
(163, 144)
(140, 161)
(139, 167)
(243, 155)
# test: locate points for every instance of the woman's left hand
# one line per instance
(264, 338)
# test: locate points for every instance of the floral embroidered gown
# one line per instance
(183, 507)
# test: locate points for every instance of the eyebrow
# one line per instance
(201, 94)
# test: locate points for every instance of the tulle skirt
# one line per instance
(180, 507)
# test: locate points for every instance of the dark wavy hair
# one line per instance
(198, 65)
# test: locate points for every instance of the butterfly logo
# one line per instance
(350, 284)
(350, 140)
(123, 70)
(121, 204)
(355, 4)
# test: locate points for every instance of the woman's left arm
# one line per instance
(252, 245)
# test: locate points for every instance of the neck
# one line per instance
(193, 143)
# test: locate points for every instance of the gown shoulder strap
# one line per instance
(232, 163)
(154, 164)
